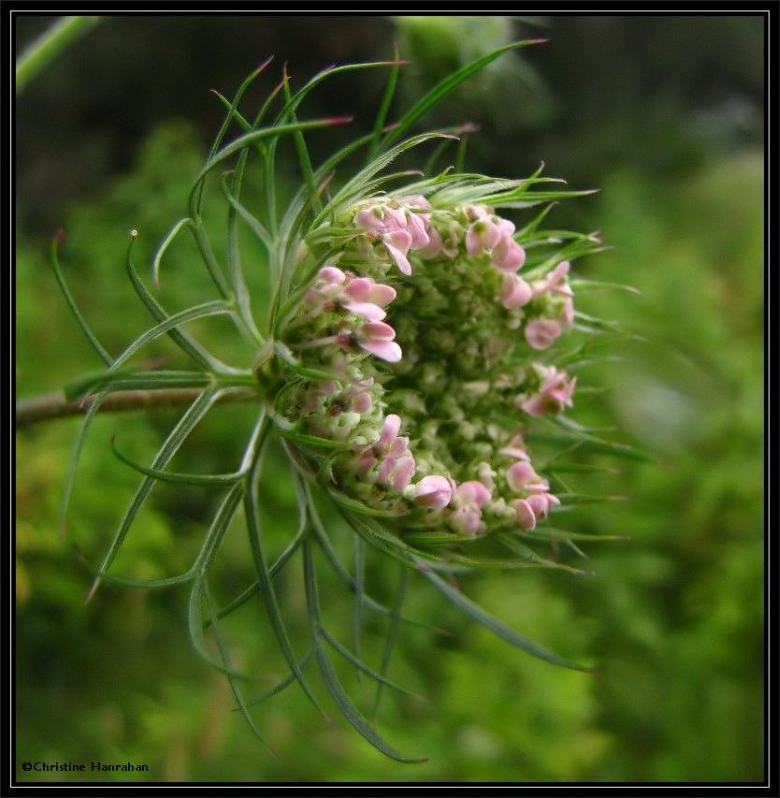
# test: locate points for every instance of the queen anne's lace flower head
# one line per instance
(433, 338)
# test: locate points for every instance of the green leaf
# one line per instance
(301, 202)
(360, 587)
(238, 283)
(384, 106)
(265, 133)
(278, 563)
(356, 185)
(182, 339)
(270, 603)
(75, 457)
(304, 158)
(581, 284)
(232, 113)
(208, 480)
(392, 633)
(321, 536)
(283, 684)
(82, 322)
(136, 381)
(254, 224)
(443, 89)
(359, 508)
(163, 248)
(497, 627)
(195, 626)
(511, 543)
(219, 527)
(355, 660)
(551, 533)
(215, 308)
(228, 669)
(197, 410)
(145, 584)
(349, 711)
(209, 258)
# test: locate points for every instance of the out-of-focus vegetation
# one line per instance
(673, 615)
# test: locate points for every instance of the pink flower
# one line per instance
(474, 212)
(371, 219)
(435, 244)
(364, 289)
(508, 255)
(397, 243)
(361, 402)
(472, 493)
(470, 498)
(331, 275)
(556, 281)
(399, 229)
(433, 491)
(515, 292)
(367, 310)
(533, 509)
(568, 311)
(542, 333)
(541, 504)
(482, 235)
(521, 476)
(516, 448)
(468, 521)
(360, 396)
(555, 393)
(525, 514)
(397, 472)
(315, 396)
(390, 429)
(377, 337)
(416, 227)
(506, 227)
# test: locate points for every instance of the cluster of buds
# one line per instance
(420, 319)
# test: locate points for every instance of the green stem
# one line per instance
(49, 45)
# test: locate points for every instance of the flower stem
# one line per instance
(47, 46)
(55, 405)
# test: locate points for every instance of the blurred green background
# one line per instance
(664, 115)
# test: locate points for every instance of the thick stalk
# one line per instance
(55, 405)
